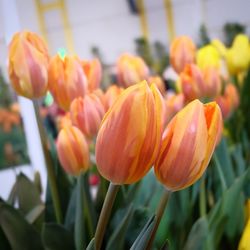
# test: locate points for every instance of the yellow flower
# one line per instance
(208, 56)
(238, 56)
(220, 47)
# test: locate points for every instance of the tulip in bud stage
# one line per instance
(131, 70)
(182, 52)
(67, 80)
(188, 144)
(87, 114)
(111, 95)
(73, 151)
(129, 137)
(93, 72)
(28, 64)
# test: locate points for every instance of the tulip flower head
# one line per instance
(67, 80)
(208, 56)
(188, 144)
(93, 72)
(131, 70)
(28, 64)
(87, 114)
(129, 137)
(192, 82)
(158, 81)
(111, 95)
(238, 56)
(73, 151)
(182, 52)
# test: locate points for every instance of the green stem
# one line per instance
(88, 208)
(202, 197)
(220, 172)
(105, 214)
(159, 213)
(49, 165)
(80, 233)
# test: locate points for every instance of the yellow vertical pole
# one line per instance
(143, 19)
(67, 28)
(170, 19)
(59, 5)
(41, 22)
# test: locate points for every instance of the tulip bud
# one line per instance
(131, 70)
(192, 82)
(87, 114)
(238, 57)
(212, 82)
(229, 101)
(28, 64)
(182, 52)
(174, 103)
(157, 80)
(129, 137)
(67, 80)
(72, 149)
(208, 56)
(188, 144)
(93, 72)
(111, 95)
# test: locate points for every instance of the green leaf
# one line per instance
(19, 233)
(91, 245)
(223, 156)
(143, 238)
(117, 239)
(198, 235)
(56, 237)
(35, 213)
(27, 194)
(71, 211)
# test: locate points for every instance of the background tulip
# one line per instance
(28, 64)
(129, 137)
(188, 144)
(174, 103)
(182, 52)
(93, 72)
(67, 80)
(208, 56)
(72, 149)
(111, 95)
(238, 56)
(87, 114)
(158, 81)
(131, 70)
(192, 82)
(212, 82)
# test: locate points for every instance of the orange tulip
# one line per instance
(182, 52)
(157, 80)
(188, 144)
(192, 82)
(174, 103)
(131, 70)
(129, 137)
(72, 149)
(111, 95)
(87, 114)
(28, 64)
(93, 72)
(67, 80)
(229, 101)
(212, 82)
